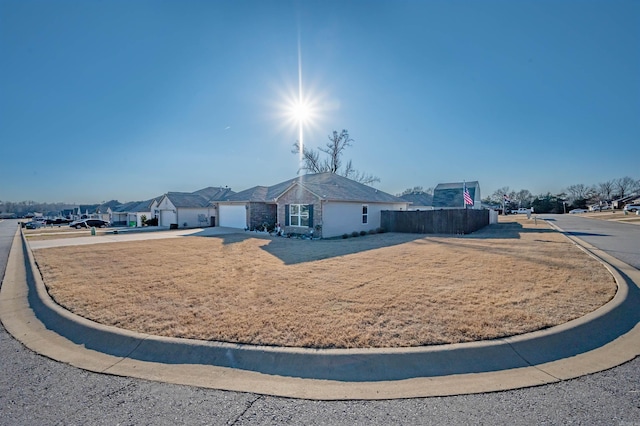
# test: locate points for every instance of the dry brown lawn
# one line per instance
(383, 290)
(63, 231)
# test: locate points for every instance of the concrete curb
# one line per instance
(602, 339)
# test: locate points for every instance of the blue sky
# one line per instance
(127, 100)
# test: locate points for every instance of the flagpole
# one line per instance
(464, 189)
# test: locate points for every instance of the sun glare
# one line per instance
(301, 112)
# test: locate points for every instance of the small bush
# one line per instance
(363, 233)
(381, 230)
(151, 222)
(372, 231)
(355, 234)
(345, 236)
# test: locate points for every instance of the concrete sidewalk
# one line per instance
(603, 339)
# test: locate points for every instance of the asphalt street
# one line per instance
(37, 390)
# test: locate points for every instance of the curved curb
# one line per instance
(602, 339)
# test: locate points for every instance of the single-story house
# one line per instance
(323, 204)
(450, 195)
(90, 211)
(189, 209)
(131, 213)
(119, 215)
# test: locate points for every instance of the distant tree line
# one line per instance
(577, 196)
(23, 208)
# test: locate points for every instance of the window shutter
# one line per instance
(286, 215)
(310, 215)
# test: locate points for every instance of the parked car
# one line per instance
(521, 210)
(88, 223)
(57, 221)
(33, 225)
(575, 211)
(632, 207)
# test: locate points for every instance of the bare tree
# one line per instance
(334, 150)
(605, 189)
(499, 195)
(625, 186)
(580, 192)
(523, 198)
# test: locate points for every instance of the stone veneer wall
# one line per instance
(297, 195)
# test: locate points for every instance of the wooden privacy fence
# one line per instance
(453, 221)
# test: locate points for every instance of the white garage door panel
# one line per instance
(167, 217)
(233, 216)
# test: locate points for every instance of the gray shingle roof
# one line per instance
(200, 198)
(327, 186)
(213, 193)
(187, 199)
(418, 199)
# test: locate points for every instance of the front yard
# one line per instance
(383, 290)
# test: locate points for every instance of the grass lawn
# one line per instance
(383, 290)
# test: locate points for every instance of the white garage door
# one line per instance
(167, 217)
(233, 216)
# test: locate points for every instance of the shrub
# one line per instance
(363, 233)
(355, 234)
(151, 222)
(372, 231)
(345, 236)
(381, 230)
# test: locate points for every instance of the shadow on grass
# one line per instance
(295, 251)
(509, 230)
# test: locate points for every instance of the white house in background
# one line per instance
(325, 204)
(189, 209)
(450, 195)
(130, 214)
(145, 208)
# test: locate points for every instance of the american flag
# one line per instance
(467, 197)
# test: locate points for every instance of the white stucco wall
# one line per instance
(191, 217)
(343, 218)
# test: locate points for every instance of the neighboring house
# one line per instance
(419, 200)
(189, 209)
(118, 215)
(450, 196)
(89, 211)
(629, 199)
(323, 204)
(130, 214)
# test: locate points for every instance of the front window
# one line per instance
(365, 214)
(299, 215)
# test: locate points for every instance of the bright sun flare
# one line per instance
(301, 112)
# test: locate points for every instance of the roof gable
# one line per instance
(450, 194)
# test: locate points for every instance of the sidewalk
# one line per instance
(603, 339)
